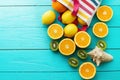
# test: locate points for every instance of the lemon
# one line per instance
(70, 30)
(67, 17)
(48, 17)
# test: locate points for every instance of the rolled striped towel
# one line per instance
(87, 8)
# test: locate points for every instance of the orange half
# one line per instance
(55, 31)
(87, 70)
(100, 29)
(104, 13)
(67, 46)
(82, 39)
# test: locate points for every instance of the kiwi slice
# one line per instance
(82, 54)
(54, 45)
(102, 44)
(73, 62)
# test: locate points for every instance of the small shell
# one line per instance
(107, 57)
(99, 56)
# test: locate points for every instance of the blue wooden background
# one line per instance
(24, 44)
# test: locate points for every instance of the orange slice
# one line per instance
(58, 7)
(104, 13)
(87, 70)
(100, 29)
(67, 46)
(82, 39)
(55, 31)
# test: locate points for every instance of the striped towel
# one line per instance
(86, 10)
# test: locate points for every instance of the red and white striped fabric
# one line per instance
(87, 8)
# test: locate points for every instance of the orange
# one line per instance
(104, 13)
(87, 70)
(67, 46)
(100, 29)
(55, 31)
(81, 22)
(58, 7)
(82, 39)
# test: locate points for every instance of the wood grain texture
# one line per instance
(37, 38)
(46, 2)
(47, 61)
(30, 17)
(56, 75)
(24, 44)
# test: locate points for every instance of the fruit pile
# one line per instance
(71, 37)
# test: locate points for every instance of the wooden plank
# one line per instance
(47, 2)
(24, 2)
(21, 28)
(46, 60)
(37, 38)
(30, 16)
(21, 16)
(56, 75)
(110, 2)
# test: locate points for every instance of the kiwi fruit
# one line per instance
(73, 62)
(54, 45)
(82, 54)
(102, 44)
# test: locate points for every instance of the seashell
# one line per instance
(99, 56)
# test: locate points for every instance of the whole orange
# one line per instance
(58, 7)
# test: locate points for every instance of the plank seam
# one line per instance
(49, 49)
(51, 71)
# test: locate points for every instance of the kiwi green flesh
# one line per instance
(101, 44)
(73, 62)
(54, 45)
(82, 54)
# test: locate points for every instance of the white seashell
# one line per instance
(99, 56)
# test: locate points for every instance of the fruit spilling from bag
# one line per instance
(67, 39)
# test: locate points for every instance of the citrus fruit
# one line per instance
(104, 13)
(100, 29)
(67, 46)
(102, 44)
(55, 31)
(67, 17)
(81, 22)
(70, 30)
(82, 54)
(73, 62)
(58, 7)
(48, 17)
(82, 39)
(54, 45)
(87, 70)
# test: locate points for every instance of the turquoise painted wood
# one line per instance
(46, 60)
(30, 17)
(56, 75)
(46, 2)
(24, 44)
(37, 38)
